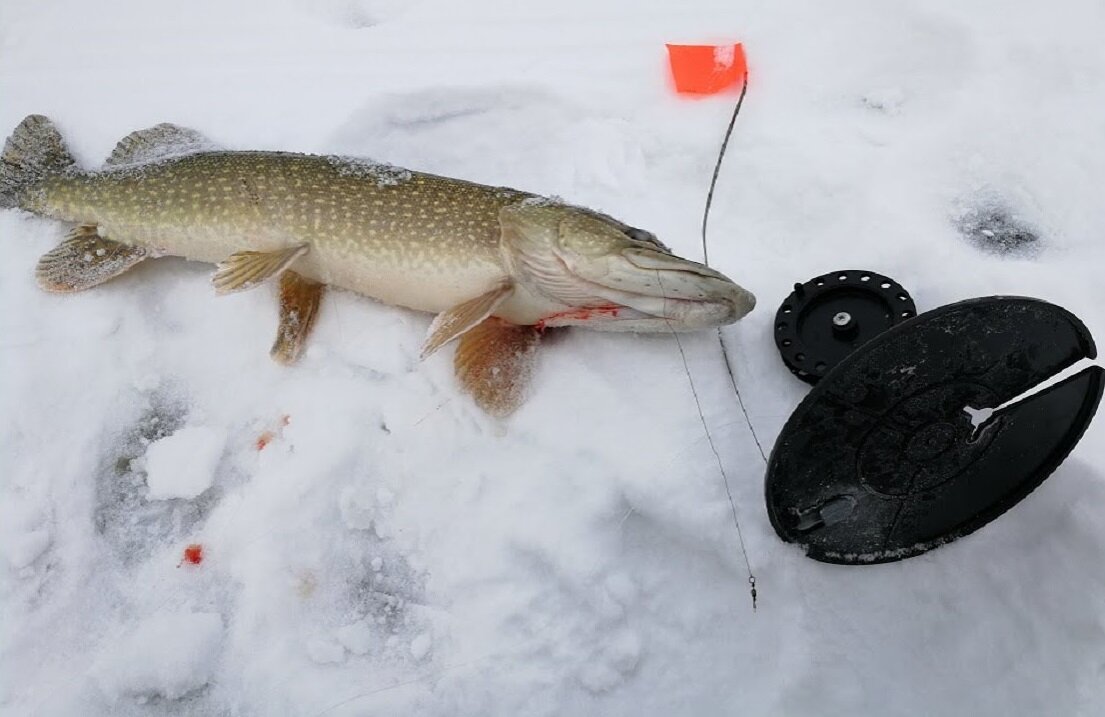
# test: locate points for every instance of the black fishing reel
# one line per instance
(920, 429)
(829, 316)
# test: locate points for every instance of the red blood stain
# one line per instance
(193, 555)
(263, 440)
(267, 437)
(585, 313)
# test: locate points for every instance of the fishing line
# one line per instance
(706, 261)
(717, 167)
(720, 467)
(737, 393)
(713, 446)
(724, 354)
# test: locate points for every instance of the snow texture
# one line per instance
(391, 550)
(165, 655)
(182, 465)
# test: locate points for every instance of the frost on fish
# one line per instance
(538, 201)
(86, 259)
(386, 175)
(157, 144)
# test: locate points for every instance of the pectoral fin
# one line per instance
(84, 260)
(494, 363)
(299, 302)
(246, 269)
(452, 323)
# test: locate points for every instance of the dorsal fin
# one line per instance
(157, 142)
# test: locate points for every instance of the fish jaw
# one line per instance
(664, 292)
(606, 279)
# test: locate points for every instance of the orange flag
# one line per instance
(706, 69)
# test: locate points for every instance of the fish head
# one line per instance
(611, 276)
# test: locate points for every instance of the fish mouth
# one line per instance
(642, 289)
(585, 268)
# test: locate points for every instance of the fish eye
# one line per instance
(647, 237)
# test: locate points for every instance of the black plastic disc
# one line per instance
(881, 461)
(829, 316)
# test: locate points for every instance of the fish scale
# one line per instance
(370, 229)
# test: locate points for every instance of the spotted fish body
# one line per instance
(406, 238)
(475, 255)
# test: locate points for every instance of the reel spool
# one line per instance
(829, 316)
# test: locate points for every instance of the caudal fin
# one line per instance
(34, 151)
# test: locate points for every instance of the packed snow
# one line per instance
(182, 465)
(371, 542)
(165, 655)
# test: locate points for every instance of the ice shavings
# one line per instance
(182, 465)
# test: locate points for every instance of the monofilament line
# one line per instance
(706, 259)
(713, 446)
(717, 166)
(737, 393)
(721, 344)
(720, 467)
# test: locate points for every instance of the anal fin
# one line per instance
(86, 259)
(246, 269)
(299, 301)
(494, 363)
(450, 324)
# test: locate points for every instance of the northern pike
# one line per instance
(497, 266)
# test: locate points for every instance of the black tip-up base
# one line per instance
(899, 449)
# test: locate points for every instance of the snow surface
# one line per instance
(182, 465)
(393, 551)
(165, 655)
